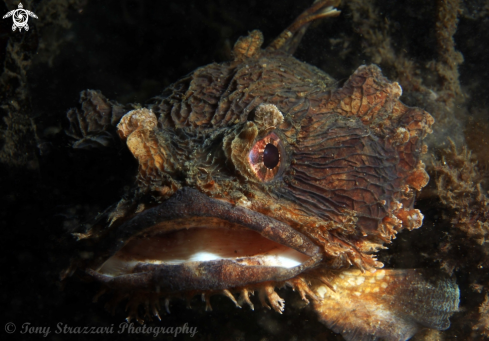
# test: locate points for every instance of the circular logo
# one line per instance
(20, 17)
(10, 327)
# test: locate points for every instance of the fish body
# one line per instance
(263, 172)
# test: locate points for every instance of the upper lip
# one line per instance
(189, 203)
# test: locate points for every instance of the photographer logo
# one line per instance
(20, 17)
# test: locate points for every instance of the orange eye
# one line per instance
(267, 157)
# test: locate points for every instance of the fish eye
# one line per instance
(267, 157)
(271, 156)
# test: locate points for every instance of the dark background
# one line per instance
(132, 50)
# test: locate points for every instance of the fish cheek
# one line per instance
(340, 167)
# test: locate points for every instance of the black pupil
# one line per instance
(271, 156)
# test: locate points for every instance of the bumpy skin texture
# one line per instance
(344, 183)
(352, 154)
(91, 125)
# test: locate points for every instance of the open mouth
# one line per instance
(213, 239)
(193, 242)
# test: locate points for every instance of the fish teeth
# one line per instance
(277, 303)
(228, 294)
(244, 297)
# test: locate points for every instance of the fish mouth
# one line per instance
(195, 243)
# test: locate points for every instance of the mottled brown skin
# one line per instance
(344, 161)
(345, 184)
